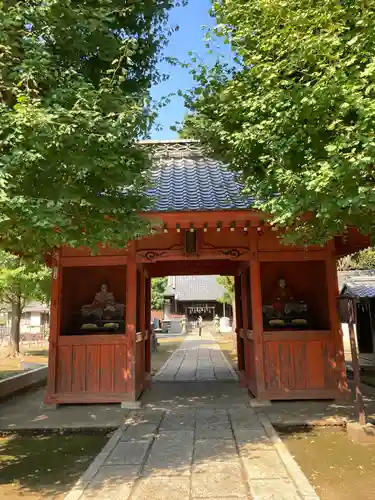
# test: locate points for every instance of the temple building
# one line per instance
(360, 286)
(289, 342)
(194, 296)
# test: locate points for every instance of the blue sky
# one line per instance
(189, 38)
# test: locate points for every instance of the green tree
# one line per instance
(295, 114)
(229, 295)
(364, 260)
(158, 287)
(228, 283)
(75, 82)
(20, 282)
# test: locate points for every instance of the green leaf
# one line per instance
(75, 90)
(294, 115)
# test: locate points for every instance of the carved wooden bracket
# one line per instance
(149, 256)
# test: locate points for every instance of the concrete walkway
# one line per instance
(197, 439)
(197, 359)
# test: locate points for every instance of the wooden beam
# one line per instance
(291, 255)
(54, 324)
(226, 253)
(245, 318)
(239, 326)
(191, 267)
(333, 293)
(210, 218)
(94, 260)
(148, 344)
(141, 307)
(131, 316)
(360, 406)
(256, 308)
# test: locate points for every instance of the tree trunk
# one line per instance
(234, 324)
(15, 328)
(234, 320)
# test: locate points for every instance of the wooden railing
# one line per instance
(299, 364)
(92, 368)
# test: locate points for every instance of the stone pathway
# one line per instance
(194, 441)
(197, 359)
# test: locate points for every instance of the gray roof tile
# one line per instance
(345, 277)
(184, 179)
(358, 284)
(196, 288)
(359, 290)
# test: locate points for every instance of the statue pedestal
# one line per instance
(224, 325)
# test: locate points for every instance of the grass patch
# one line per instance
(228, 346)
(368, 378)
(35, 465)
(166, 348)
(12, 366)
(338, 468)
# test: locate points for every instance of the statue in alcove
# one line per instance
(283, 310)
(104, 305)
(282, 296)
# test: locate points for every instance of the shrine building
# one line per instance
(193, 296)
(289, 340)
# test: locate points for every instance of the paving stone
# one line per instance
(246, 422)
(185, 435)
(178, 422)
(139, 432)
(212, 424)
(214, 450)
(242, 413)
(144, 417)
(218, 479)
(223, 375)
(186, 378)
(185, 374)
(264, 465)
(112, 482)
(162, 488)
(128, 453)
(212, 416)
(171, 454)
(205, 375)
(252, 440)
(218, 431)
(274, 489)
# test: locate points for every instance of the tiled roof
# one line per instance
(196, 288)
(359, 286)
(185, 179)
(359, 290)
(345, 277)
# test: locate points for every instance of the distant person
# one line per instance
(200, 325)
(217, 323)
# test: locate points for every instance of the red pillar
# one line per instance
(245, 320)
(54, 326)
(149, 331)
(141, 311)
(142, 300)
(256, 308)
(131, 318)
(239, 325)
(333, 292)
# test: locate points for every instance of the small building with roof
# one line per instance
(34, 318)
(359, 285)
(194, 296)
(288, 335)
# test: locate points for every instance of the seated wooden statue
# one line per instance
(283, 309)
(104, 305)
